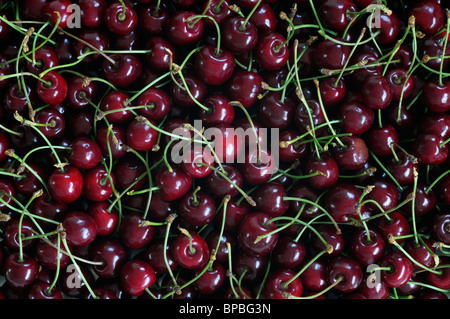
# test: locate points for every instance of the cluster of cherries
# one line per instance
(94, 206)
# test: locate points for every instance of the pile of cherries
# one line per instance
(351, 201)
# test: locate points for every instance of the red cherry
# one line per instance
(80, 227)
(400, 269)
(52, 89)
(136, 276)
(66, 185)
(119, 19)
(190, 251)
(254, 225)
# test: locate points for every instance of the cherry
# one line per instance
(154, 255)
(52, 89)
(80, 227)
(112, 254)
(136, 276)
(337, 14)
(134, 233)
(106, 221)
(101, 293)
(264, 18)
(352, 154)
(345, 270)
(258, 167)
(332, 236)
(309, 116)
(29, 181)
(400, 269)
(274, 112)
(57, 12)
(356, 117)
(271, 51)
(158, 102)
(80, 91)
(65, 185)
(304, 192)
(430, 149)
(402, 168)
(84, 153)
(430, 16)
(245, 87)
(214, 66)
(45, 57)
(190, 250)
(440, 227)
(269, 198)
(96, 38)
(331, 55)
(184, 28)
(315, 276)
(210, 281)
(257, 225)
(436, 94)
(120, 18)
(396, 224)
(435, 123)
(332, 90)
(161, 53)
(370, 288)
(92, 12)
(341, 201)
(425, 200)
(292, 152)
(275, 285)
(289, 253)
(402, 84)
(197, 208)
(47, 254)
(106, 138)
(197, 88)
(141, 136)
(367, 247)
(173, 184)
(71, 282)
(239, 36)
(376, 92)
(46, 207)
(20, 270)
(219, 110)
(17, 228)
(98, 184)
(421, 252)
(16, 98)
(153, 19)
(389, 27)
(224, 238)
(327, 166)
(125, 70)
(440, 280)
(192, 165)
(114, 102)
(43, 290)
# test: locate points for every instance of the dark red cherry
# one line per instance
(197, 209)
(20, 270)
(332, 90)
(376, 92)
(331, 55)
(65, 185)
(80, 92)
(328, 168)
(402, 168)
(15, 99)
(211, 280)
(238, 36)
(430, 149)
(120, 18)
(341, 201)
(258, 166)
(274, 288)
(356, 117)
(395, 224)
(136, 276)
(384, 193)
(235, 213)
(133, 233)
(430, 16)
(254, 226)
(435, 123)
(141, 136)
(30, 180)
(52, 89)
(219, 241)
(15, 229)
(425, 200)
(337, 15)
(153, 18)
(292, 151)
(214, 66)
(353, 154)
(315, 276)
(114, 103)
(440, 227)
(218, 10)
(421, 251)
(45, 57)
(52, 122)
(271, 51)
(106, 138)
(367, 247)
(154, 255)
(245, 87)
(440, 280)
(197, 88)
(389, 26)
(435, 95)
(304, 192)
(332, 236)
(106, 220)
(92, 12)
(289, 253)
(161, 53)
(220, 186)
(309, 116)
(157, 101)
(274, 112)
(264, 18)
(372, 288)
(80, 227)
(112, 255)
(401, 82)
(125, 70)
(383, 140)
(98, 184)
(269, 199)
(173, 184)
(47, 254)
(58, 12)
(432, 47)
(184, 28)
(400, 269)
(42, 290)
(219, 110)
(191, 252)
(84, 153)
(348, 271)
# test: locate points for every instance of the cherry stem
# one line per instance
(194, 195)
(58, 264)
(385, 170)
(219, 35)
(428, 189)
(444, 47)
(413, 203)
(169, 223)
(185, 232)
(318, 294)
(123, 15)
(247, 19)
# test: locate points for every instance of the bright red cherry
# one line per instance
(80, 228)
(66, 184)
(120, 18)
(136, 276)
(257, 225)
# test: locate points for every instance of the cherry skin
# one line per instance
(328, 168)
(245, 87)
(140, 136)
(133, 233)
(115, 102)
(257, 224)
(219, 110)
(349, 270)
(80, 228)
(336, 14)
(197, 88)
(235, 213)
(29, 181)
(106, 140)
(66, 185)
(41, 290)
(172, 184)
(84, 153)
(367, 248)
(47, 254)
(92, 12)
(158, 102)
(154, 255)
(62, 17)
(309, 116)
(210, 281)
(112, 254)
(441, 280)
(402, 168)
(45, 57)
(193, 164)
(341, 201)
(440, 227)
(125, 70)
(52, 122)
(421, 252)
(354, 153)
(153, 19)
(332, 237)
(274, 112)
(356, 117)
(269, 199)
(98, 184)
(197, 210)
(136, 276)
(371, 288)
(80, 92)
(289, 253)
(54, 90)
(389, 27)
(397, 225)
(377, 93)
(218, 10)
(315, 276)
(436, 96)
(304, 192)
(331, 55)
(190, 252)
(20, 270)
(264, 18)
(430, 16)
(274, 288)
(401, 83)
(214, 237)
(16, 98)
(400, 271)
(120, 20)
(425, 200)
(258, 167)
(429, 149)
(237, 37)
(435, 123)
(385, 193)
(214, 66)
(332, 91)
(161, 53)
(183, 28)
(271, 51)
(292, 152)
(432, 46)
(107, 221)
(14, 229)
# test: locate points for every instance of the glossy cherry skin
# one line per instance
(161, 53)
(348, 269)
(440, 227)
(401, 269)
(136, 276)
(431, 46)
(271, 51)
(47, 254)
(66, 185)
(385, 193)
(62, 7)
(237, 37)
(41, 290)
(292, 151)
(353, 155)
(19, 272)
(184, 28)
(435, 123)
(273, 112)
(220, 111)
(257, 224)
(141, 136)
(328, 168)
(153, 19)
(158, 102)
(402, 168)
(429, 149)
(112, 254)
(331, 55)
(274, 288)
(401, 83)
(356, 117)
(197, 88)
(80, 228)
(15, 99)
(430, 16)
(381, 140)
(192, 163)
(332, 236)
(70, 277)
(235, 213)
(98, 184)
(228, 143)
(198, 210)
(92, 12)
(84, 153)
(341, 201)
(29, 181)
(315, 276)
(133, 234)
(181, 252)
(214, 67)
(269, 198)
(372, 288)
(312, 118)
(436, 96)
(124, 72)
(421, 252)
(53, 122)
(289, 253)
(119, 20)
(304, 192)
(425, 200)
(397, 225)
(107, 221)
(389, 27)
(79, 90)
(45, 57)
(106, 138)
(366, 248)
(335, 14)
(173, 184)
(210, 281)
(377, 93)
(115, 101)
(245, 87)
(441, 280)
(55, 92)
(258, 167)
(154, 255)
(219, 243)
(12, 231)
